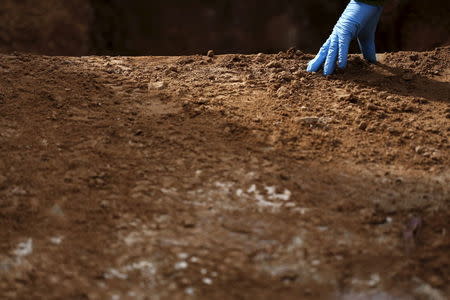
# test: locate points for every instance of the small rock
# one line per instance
(259, 57)
(421, 100)
(158, 85)
(374, 280)
(194, 259)
(363, 125)
(210, 53)
(315, 262)
(104, 204)
(173, 69)
(283, 92)
(24, 249)
(372, 107)
(189, 291)
(181, 265)
(56, 240)
(348, 98)
(419, 149)
(408, 108)
(391, 99)
(436, 155)
(394, 131)
(57, 211)
(308, 120)
(284, 76)
(274, 64)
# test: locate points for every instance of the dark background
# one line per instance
(178, 27)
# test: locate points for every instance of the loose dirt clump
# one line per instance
(224, 177)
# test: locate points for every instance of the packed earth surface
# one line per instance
(224, 177)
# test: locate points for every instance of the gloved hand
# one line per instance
(359, 20)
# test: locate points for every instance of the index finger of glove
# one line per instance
(315, 64)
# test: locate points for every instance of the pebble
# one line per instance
(104, 204)
(259, 57)
(182, 255)
(24, 249)
(372, 107)
(374, 280)
(190, 291)
(56, 240)
(194, 259)
(394, 131)
(181, 265)
(391, 99)
(283, 92)
(348, 98)
(207, 281)
(57, 211)
(173, 69)
(315, 262)
(210, 53)
(158, 85)
(285, 76)
(419, 149)
(308, 120)
(363, 125)
(274, 64)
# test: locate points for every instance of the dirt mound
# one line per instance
(236, 176)
(173, 27)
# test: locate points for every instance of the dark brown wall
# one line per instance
(46, 26)
(170, 27)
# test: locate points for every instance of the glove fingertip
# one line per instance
(313, 66)
(309, 68)
(342, 64)
(328, 69)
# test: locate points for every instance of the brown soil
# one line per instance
(232, 177)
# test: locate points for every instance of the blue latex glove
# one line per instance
(359, 20)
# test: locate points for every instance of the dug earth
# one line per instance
(224, 177)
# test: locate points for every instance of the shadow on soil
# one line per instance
(396, 80)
